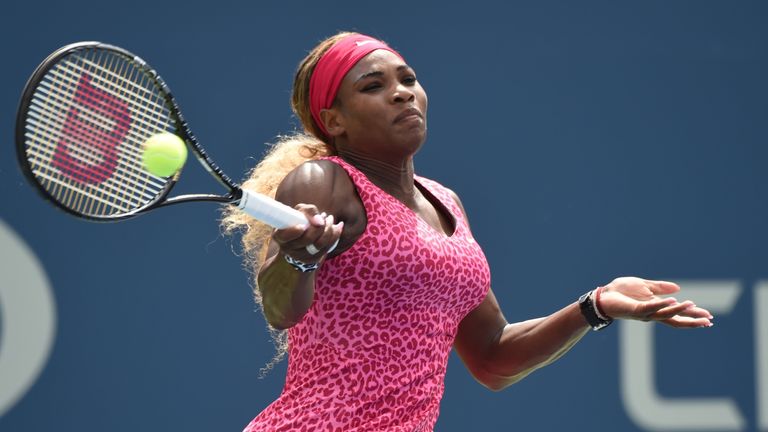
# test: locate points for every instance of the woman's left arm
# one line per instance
(499, 354)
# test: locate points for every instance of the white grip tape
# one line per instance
(269, 211)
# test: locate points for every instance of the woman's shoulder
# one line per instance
(313, 177)
(321, 182)
(327, 185)
(314, 170)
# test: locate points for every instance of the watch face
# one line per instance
(589, 313)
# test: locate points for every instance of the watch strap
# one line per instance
(590, 312)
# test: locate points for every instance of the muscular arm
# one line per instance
(499, 354)
(314, 187)
(286, 294)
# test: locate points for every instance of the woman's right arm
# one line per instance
(286, 292)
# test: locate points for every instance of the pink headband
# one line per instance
(333, 66)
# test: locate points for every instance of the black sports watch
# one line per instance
(587, 306)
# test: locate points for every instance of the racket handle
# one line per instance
(269, 211)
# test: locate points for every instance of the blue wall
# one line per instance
(588, 140)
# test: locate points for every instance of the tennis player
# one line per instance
(386, 278)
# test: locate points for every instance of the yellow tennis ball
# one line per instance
(164, 154)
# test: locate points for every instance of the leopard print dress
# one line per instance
(371, 352)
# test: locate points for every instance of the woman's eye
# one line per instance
(410, 80)
(371, 87)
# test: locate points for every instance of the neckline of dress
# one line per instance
(440, 207)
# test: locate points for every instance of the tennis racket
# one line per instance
(83, 117)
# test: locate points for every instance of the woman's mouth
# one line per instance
(408, 114)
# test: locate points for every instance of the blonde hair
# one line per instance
(284, 156)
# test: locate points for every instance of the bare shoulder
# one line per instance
(327, 186)
(312, 182)
(456, 198)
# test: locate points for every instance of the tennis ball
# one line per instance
(164, 154)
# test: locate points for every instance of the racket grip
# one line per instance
(269, 211)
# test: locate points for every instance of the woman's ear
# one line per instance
(333, 121)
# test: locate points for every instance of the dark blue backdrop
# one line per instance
(587, 140)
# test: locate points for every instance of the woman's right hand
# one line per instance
(309, 243)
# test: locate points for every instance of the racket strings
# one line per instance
(57, 185)
(85, 126)
(84, 164)
(57, 118)
(146, 122)
(114, 83)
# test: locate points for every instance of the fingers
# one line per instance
(330, 235)
(318, 236)
(286, 235)
(646, 310)
(683, 315)
(670, 311)
(691, 317)
(696, 312)
(688, 322)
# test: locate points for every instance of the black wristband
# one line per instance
(589, 310)
(300, 266)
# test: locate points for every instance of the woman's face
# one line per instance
(381, 107)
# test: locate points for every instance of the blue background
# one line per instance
(588, 140)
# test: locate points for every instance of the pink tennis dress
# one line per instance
(371, 352)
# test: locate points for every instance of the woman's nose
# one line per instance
(402, 93)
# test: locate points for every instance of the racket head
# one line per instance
(83, 117)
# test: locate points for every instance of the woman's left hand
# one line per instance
(638, 299)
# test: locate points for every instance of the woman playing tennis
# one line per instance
(385, 278)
